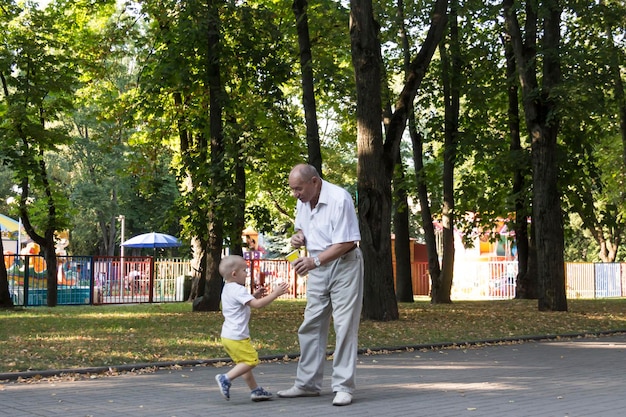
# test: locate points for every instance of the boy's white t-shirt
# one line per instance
(236, 311)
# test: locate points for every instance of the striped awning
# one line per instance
(8, 224)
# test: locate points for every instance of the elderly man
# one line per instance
(326, 223)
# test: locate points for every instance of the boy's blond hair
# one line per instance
(228, 264)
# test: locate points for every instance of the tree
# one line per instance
(308, 93)
(417, 142)
(526, 280)
(211, 149)
(377, 158)
(451, 78)
(403, 275)
(541, 104)
(38, 77)
(5, 178)
(206, 61)
(112, 168)
(596, 167)
(5, 295)
(403, 278)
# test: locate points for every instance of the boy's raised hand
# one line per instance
(259, 292)
(281, 288)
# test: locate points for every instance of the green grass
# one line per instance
(44, 338)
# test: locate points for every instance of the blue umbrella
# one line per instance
(152, 240)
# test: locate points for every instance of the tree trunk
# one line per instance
(548, 223)
(213, 288)
(402, 242)
(546, 200)
(308, 91)
(239, 204)
(214, 282)
(434, 269)
(526, 282)
(403, 112)
(540, 109)
(47, 249)
(5, 296)
(376, 160)
(450, 63)
(198, 277)
(374, 169)
(45, 242)
(404, 278)
(112, 229)
(107, 220)
(51, 269)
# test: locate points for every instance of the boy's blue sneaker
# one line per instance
(260, 394)
(224, 385)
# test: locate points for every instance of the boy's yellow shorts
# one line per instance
(241, 351)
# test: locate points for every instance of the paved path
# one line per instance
(578, 377)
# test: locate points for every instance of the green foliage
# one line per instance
(6, 191)
(113, 168)
(580, 245)
(100, 81)
(39, 77)
(592, 147)
(484, 164)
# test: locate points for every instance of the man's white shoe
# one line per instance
(294, 392)
(342, 398)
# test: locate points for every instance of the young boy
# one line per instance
(236, 303)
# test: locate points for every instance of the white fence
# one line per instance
(484, 280)
(496, 280)
(474, 280)
(599, 280)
